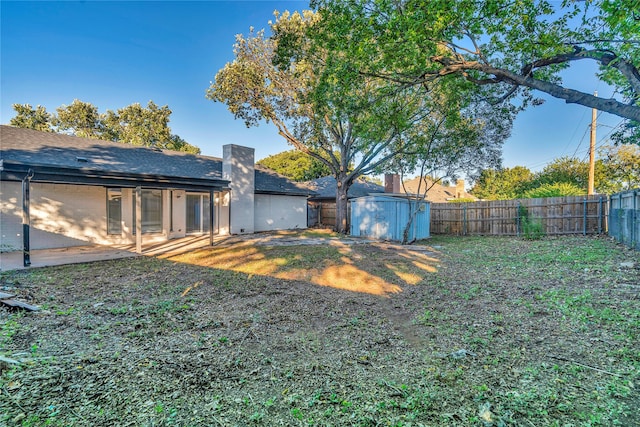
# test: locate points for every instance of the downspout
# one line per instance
(26, 219)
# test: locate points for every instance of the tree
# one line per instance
(571, 171)
(133, 124)
(353, 128)
(505, 48)
(80, 119)
(502, 184)
(450, 140)
(296, 165)
(622, 166)
(555, 189)
(140, 126)
(351, 122)
(32, 118)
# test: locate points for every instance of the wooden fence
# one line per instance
(555, 216)
(624, 218)
(323, 214)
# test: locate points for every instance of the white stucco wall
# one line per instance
(61, 216)
(238, 168)
(10, 216)
(223, 219)
(274, 212)
(179, 201)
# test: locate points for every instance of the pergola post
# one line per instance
(138, 208)
(26, 219)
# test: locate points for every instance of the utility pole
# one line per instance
(592, 151)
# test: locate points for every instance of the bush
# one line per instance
(556, 189)
(531, 228)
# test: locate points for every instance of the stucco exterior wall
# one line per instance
(238, 168)
(273, 212)
(179, 200)
(223, 219)
(10, 216)
(61, 216)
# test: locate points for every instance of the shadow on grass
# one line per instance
(372, 268)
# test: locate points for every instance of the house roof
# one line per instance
(325, 188)
(437, 193)
(92, 160)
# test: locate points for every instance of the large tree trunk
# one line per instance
(342, 220)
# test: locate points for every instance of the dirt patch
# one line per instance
(478, 331)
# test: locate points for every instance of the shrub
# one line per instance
(556, 189)
(531, 228)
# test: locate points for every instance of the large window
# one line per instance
(151, 211)
(197, 213)
(114, 211)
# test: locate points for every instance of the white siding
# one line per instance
(280, 212)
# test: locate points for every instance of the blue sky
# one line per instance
(113, 54)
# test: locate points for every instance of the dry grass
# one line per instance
(339, 334)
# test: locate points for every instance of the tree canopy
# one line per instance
(502, 184)
(505, 48)
(353, 123)
(296, 165)
(617, 168)
(133, 124)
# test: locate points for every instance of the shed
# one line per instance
(384, 217)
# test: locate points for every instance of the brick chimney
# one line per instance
(392, 183)
(460, 189)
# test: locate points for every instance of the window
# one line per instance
(151, 211)
(198, 213)
(114, 211)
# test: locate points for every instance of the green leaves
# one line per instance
(505, 47)
(296, 165)
(133, 124)
(32, 118)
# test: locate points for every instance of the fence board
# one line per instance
(624, 218)
(556, 215)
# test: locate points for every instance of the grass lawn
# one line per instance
(475, 331)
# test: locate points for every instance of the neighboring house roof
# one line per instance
(325, 188)
(271, 182)
(92, 160)
(437, 193)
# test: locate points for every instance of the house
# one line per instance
(322, 202)
(436, 192)
(59, 191)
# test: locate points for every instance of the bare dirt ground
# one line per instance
(456, 332)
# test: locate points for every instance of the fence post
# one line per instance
(634, 217)
(518, 220)
(464, 216)
(584, 217)
(600, 215)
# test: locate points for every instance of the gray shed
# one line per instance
(385, 217)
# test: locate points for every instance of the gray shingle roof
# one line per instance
(325, 188)
(30, 147)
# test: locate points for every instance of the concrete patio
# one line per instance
(91, 253)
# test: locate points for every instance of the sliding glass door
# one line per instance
(197, 213)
